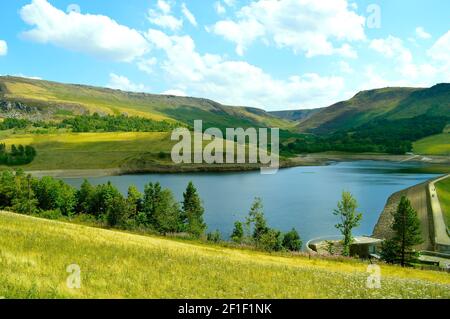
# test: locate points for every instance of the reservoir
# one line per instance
(300, 197)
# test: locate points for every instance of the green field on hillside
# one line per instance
(433, 145)
(35, 253)
(90, 150)
(443, 190)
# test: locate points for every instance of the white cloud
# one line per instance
(230, 3)
(147, 65)
(188, 14)
(220, 9)
(411, 72)
(441, 49)
(174, 92)
(164, 20)
(119, 82)
(344, 67)
(3, 48)
(422, 34)
(306, 26)
(237, 82)
(164, 6)
(97, 35)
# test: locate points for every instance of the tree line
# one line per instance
(95, 123)
(18, 155)
(380, 136)
(155, 210)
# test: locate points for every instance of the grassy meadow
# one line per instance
(90, 150)
(443, 189)
(433, 145)
(34, 255)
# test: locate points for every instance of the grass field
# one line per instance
(35, 253)
(89, 150)
(129, 151)
(443, 189)
(433, 145)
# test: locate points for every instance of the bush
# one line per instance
(214, 237)
(292, 241)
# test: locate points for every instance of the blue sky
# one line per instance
(284, 54)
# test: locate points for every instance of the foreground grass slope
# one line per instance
(35, 253)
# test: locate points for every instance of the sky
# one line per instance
(271, 54)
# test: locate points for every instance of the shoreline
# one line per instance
(306, 160)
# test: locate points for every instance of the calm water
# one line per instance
(300, 197)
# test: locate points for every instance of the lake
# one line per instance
(300, 197)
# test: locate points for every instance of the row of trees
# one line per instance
(155, 210)
(381, 136)
(19, 155)
(95, 123)
(256, 231)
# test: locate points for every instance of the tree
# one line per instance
(152, 197)
(407, 232)
(167, 214)
(117, 211)
(84, 197)
(349, 219)
(389, 251)
(238, 233)
(270, 240)
(134, 199)
(256, 220)
(292, 241)
(214, 237)
(193, 211)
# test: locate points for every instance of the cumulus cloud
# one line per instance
(97, 35)
(238, 82)
(189, 15)
(422, 34)
(162, 17)
(308, 26)
(119, 82)
(441, 49)
(3, 48)
(411, 72)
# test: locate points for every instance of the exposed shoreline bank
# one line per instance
(320, 159)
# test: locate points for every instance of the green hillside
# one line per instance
(296, 115)
(35, 254)
(433, 145)
(50, 100)
(382, 104)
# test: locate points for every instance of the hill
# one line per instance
(296, 115)
(51, 100)
(35, 253)
(381, 104)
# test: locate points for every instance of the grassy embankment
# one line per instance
(34, 255)
(443, 190)
(126, 151)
